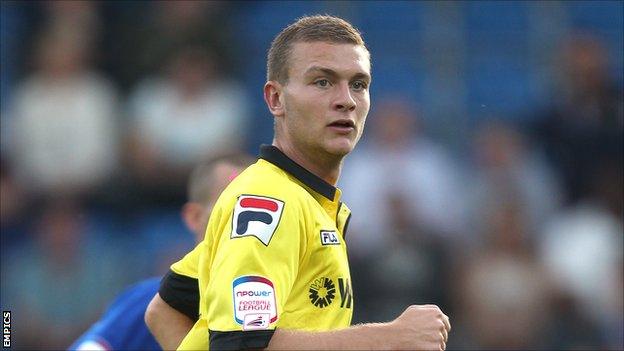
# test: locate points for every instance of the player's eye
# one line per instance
(322, 83)
(359, 85)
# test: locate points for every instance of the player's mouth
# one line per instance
(342, 126)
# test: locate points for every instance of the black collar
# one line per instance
(277, 157)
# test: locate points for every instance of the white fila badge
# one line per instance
(329, 237)
(254, 302)
(256, 216)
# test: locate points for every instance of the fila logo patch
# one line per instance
(256, 216)
(329, 237)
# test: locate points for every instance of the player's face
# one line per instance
(326, 99)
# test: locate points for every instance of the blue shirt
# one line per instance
(122, 326)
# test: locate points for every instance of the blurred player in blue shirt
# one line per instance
(122, 327)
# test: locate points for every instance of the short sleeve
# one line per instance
(179, 288)
(253, 265)
(187, 266)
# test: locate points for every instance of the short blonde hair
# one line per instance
(307, 29)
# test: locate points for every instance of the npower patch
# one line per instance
(255, 304)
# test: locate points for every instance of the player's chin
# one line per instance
(341, 147)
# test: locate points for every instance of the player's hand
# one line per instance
(421, 327)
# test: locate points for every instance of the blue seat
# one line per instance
(497, 88)
(492, 17)
(602, 15)
(387, 15)
(161, 228)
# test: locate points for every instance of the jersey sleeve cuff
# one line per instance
(182, 293)
(240, 340)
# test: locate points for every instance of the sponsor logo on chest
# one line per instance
(322, 292)
(329, 237)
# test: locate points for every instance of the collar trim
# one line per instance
(274, 155)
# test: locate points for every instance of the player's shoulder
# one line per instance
(265, 179)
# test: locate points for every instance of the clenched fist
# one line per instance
(420, 327)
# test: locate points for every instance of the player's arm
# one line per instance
(168, 325)
(173, 311)
(417, 328)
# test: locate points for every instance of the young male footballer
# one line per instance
(273, 269)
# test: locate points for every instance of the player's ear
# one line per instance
(192, 216)
(273, 98)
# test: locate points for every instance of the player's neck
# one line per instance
(326, 168)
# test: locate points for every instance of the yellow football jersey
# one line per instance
(274, 256)
(180, 288)
(188, 265)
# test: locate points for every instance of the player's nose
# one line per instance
(344, 99)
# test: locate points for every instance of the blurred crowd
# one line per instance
(516, 233)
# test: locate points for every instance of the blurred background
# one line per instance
(493, 154)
